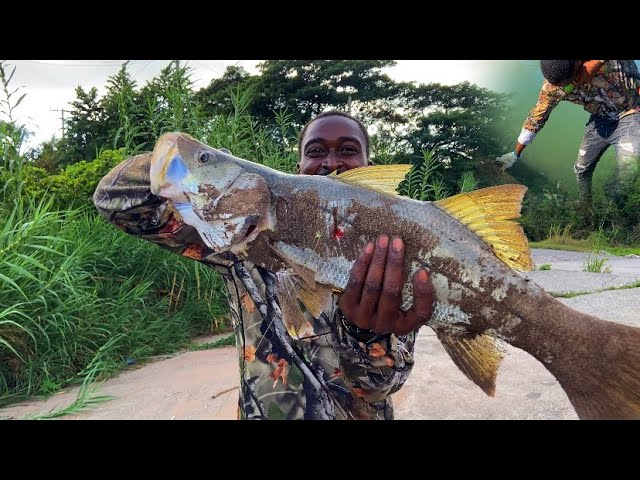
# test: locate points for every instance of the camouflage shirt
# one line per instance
(612, 93)
(330, 374)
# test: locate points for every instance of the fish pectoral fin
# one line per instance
(382, 178)
(294, 289)
(316, 300)
(490, 214)
(477, 356)
(315, 296)
(288, 292)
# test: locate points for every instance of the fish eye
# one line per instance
(205, 156)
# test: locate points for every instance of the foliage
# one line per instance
(87, 129)
(75, 184)
(217, 98)
(424, 181)
(596, 265)
(73, 286)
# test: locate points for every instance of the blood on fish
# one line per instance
(338, 231)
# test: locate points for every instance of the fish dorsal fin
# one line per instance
(489, 212)
(477, 356)
(382, 178)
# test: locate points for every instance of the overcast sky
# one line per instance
(50, 84)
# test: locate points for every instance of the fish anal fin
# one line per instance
(382, 178)
(490, 213)
(477, 356)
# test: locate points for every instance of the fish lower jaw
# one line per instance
(169, 192)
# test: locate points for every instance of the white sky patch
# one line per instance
(50, 84)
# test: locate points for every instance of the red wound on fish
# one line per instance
(338, 230)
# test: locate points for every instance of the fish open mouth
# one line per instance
(249, 227)
(249, 231)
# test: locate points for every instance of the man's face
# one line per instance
(332, 143)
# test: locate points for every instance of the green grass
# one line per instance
(583, 246)
(72, 285)
(86, 399)
(579, 293)
(554, 244)
(223, 342)
(596, 265)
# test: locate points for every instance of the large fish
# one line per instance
(309, 230)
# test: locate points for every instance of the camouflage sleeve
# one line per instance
(124, 198)
(548, 99)
(373, 368)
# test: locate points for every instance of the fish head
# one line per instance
(211, 190)
(181, 165)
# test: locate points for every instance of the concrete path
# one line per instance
(203, 384)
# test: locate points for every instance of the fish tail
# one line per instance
(599, 368)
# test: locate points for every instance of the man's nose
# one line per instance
(332, 161)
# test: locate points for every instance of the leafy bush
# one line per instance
(75, 185)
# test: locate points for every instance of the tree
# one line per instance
(216, 98)
(85, 131)
(306, 88)
(463, 122)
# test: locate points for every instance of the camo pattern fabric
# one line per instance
(326, 375)
(612, 93)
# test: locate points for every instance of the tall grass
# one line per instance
(73, 286)
(79, 297)
(240, 134)
(12, 136)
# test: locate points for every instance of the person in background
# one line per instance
(610, 91)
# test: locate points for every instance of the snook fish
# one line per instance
(308, 230)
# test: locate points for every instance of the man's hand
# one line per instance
(373, 295)
(507, 160)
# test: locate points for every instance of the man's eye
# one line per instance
(349, 150)
(315, 151)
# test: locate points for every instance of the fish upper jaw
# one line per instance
(169, 176)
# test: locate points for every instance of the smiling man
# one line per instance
(350, 359)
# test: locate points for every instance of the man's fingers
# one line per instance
(387, 314)
(373, 283)
(350, 300)
(422, 297)
(421, 311)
